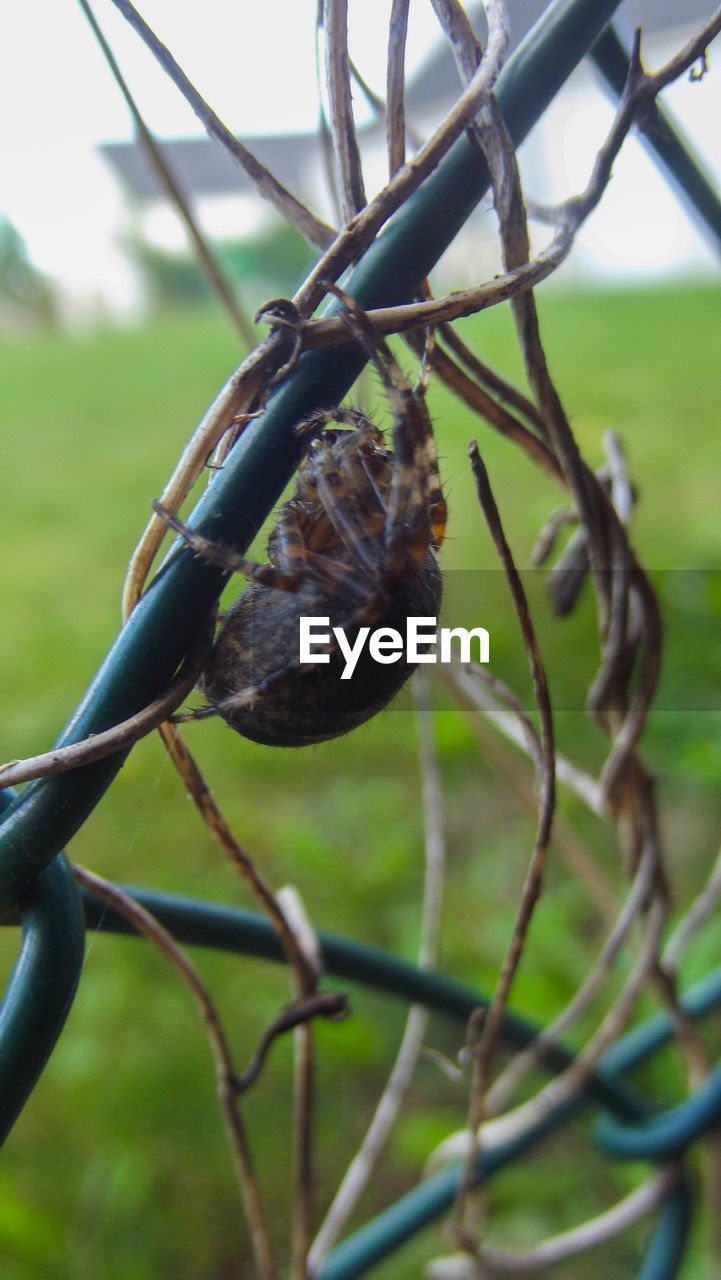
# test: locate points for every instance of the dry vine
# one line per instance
(628, 619)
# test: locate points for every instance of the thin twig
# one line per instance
(303, 1080)
(487, 377)
(616, 573)
(306, 996)
(467, 49)
(342, 124)
(570, 1082)
(576, 779)
(395, 86)
(569, 1244)
(234, 405)
(206, 258)
(374, 100)
(361, 1167)
(484, 1048)
(622, 494)
(641, 88)
(433, 823)
(376, 103)
(304, 973)
(589, 988)
(326, 1004)
(475, 700)
(701, 910)
(488, 408)
(303, 1181)
(466, 677)
(107, 743)
(306, 222)
(325, 139)
(205, 802)
(151, 928)
(546, 538)
(454, 306)
(354, 239)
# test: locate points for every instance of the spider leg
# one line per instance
(436, 501)
(410, 520)
(353, 490)
(321, 418)
(419, 451)
(417, 508)
(415, 450)
(286, 576)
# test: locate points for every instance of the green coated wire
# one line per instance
(639, 1044)
(161, 630)
(380, 1237)
(165, 623)
(667, 1135)
(659, 132)
(51, 955)
(214, 925)
(667, 1245)
(422, 1204)
(210, 924)
(42, 984)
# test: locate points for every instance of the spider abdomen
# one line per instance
(298, 705)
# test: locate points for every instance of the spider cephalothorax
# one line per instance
(356, 544)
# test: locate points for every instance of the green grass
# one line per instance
(118, 1166)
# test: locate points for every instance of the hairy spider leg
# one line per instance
(436, 502)
(400, 396)
(409, 406)
(416, 495)
(336, 479)
(344, 488)
(408, 527)
(408, 530)
(290, 544)
(319, 419)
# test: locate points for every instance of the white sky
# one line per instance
(254, 60)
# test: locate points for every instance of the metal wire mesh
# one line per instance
(35, 879)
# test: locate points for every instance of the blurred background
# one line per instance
(112, 346)
(82, 197)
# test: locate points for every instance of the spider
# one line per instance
(355, 544)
